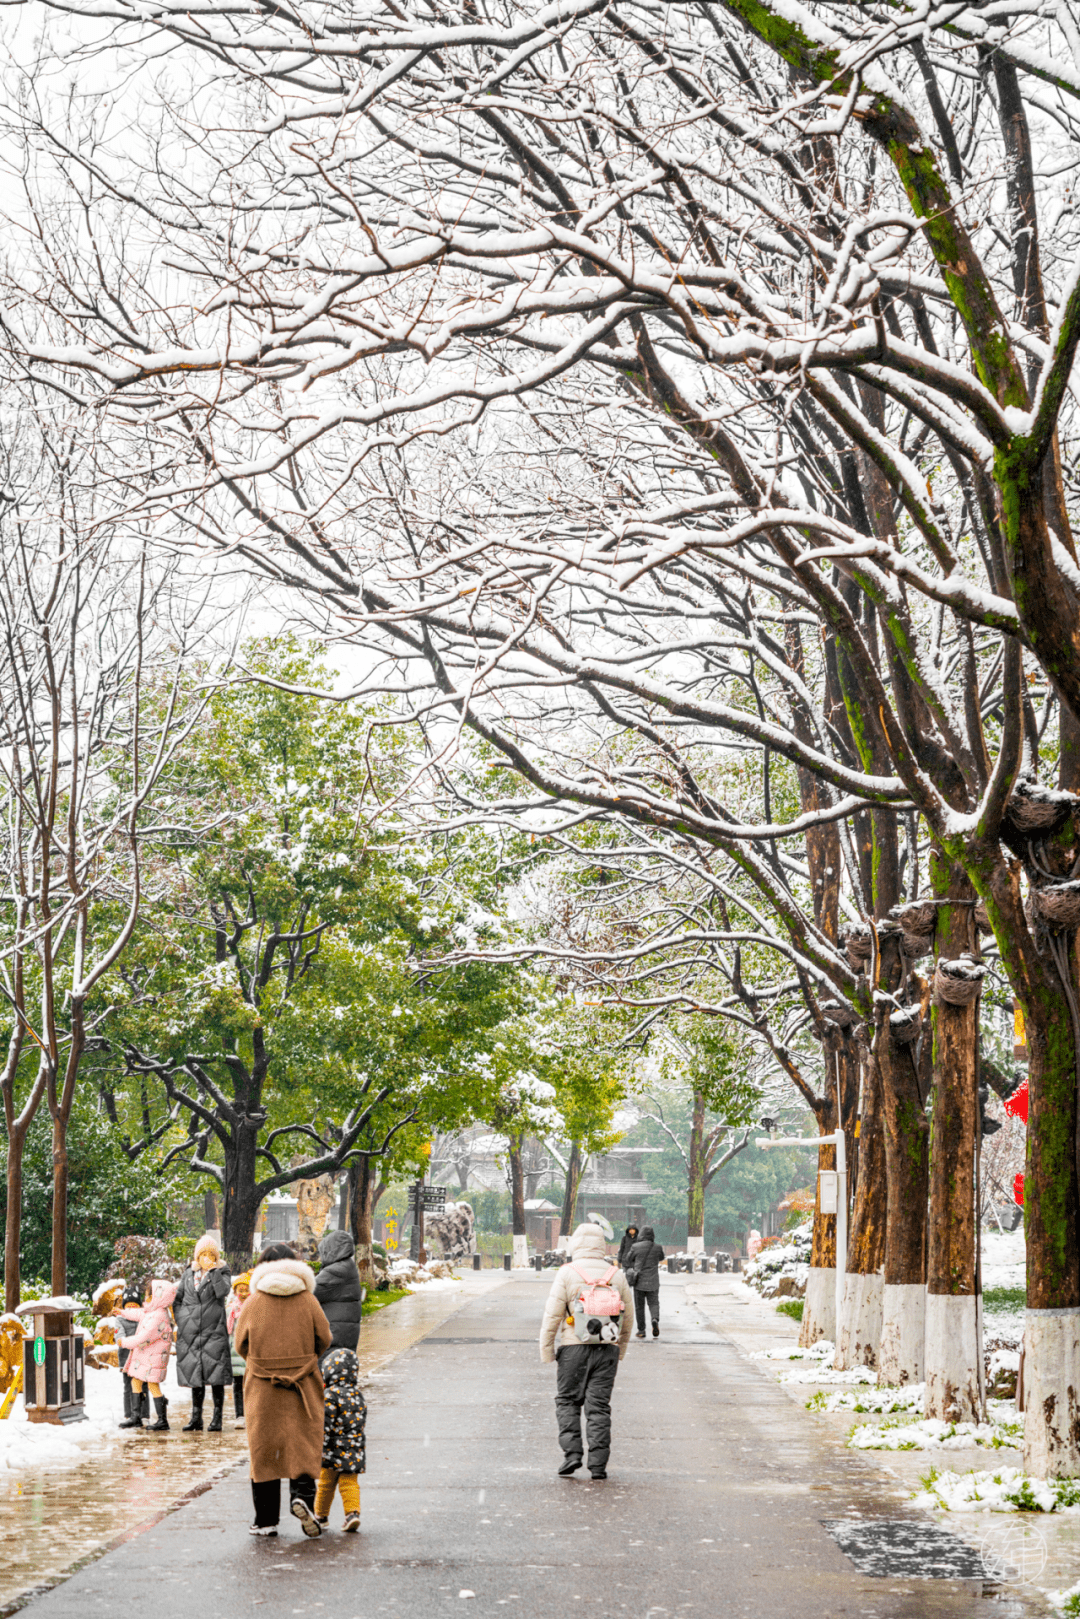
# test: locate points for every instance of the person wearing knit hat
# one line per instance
(235, 1303)
(202, 1332)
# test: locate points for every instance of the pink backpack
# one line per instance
(597, 1310)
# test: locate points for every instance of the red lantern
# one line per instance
(1018, 1190)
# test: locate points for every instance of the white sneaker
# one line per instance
(263, 1529)
(239, 1423)
(308, 1521)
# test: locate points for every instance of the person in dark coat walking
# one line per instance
(202, 1333)
(643, 1272)
(630, 1236)
(338, 1289)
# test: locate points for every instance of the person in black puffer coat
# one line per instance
(643, 1262)
(630, 1236)
(338, 1290)
(202, 1333)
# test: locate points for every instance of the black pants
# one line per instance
(238, 1396)
(267, 1497)
(586, 1377)
(650, 1295)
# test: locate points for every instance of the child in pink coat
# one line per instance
(150, 1345)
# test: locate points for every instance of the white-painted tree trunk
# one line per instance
(903, 1328)
(695, 1245)
(860, 1326)
(819, 1309)
(521, 1252)
(1052, 1393)
(953, 1357)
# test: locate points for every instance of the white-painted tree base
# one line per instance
(953, 1357)
(521, 1252)
(819, 1310)
(1052, 1393)
(903, 1328)
(695, 1245)
(860, 1326)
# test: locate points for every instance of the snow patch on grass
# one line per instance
(931, 1433)
(1008, 1489)
(1067, 1601)
(886, 1400)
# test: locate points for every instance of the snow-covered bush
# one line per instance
(781, 1267)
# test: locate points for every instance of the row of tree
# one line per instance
(679, 399)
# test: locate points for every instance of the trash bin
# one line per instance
(476, 1259)
(671, 1265)
(507, 1261)
(53, 1385)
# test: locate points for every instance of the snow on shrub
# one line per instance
(1008, 1489)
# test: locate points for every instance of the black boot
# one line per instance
(132, 1406)
(194, 1423)
(161, 1406)
(218, 1391)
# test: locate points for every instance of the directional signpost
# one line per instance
(424, 1200)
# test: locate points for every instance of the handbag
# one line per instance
(631, 1277)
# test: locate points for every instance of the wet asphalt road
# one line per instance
(716, 1492)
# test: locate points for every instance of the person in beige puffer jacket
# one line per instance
(586, 1372)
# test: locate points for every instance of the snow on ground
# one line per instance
(1008, 1489)
(1067, 1601)
(826, 1374)
(821, 1350)
(1003, 1258)
(27, 1447)
(930, 1433)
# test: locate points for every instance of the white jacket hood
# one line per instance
(587, 1242)
(282, 1277)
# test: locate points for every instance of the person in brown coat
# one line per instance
(281, 1332)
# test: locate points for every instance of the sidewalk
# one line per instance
(753, 1325)
(55, 1519)
(722, 1498)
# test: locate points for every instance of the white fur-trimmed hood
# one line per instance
(282, 1277)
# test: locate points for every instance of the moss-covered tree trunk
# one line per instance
(906, 1133)
(860, 1327)
(953, 1357)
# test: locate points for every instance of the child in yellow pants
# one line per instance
(344, 1456)
(331, 1481)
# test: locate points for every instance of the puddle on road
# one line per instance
(52, 1521)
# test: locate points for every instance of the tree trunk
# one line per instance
(210, 1211)
(695, 1186)
(59, 1203)
(570, 1195)
(16, 1140)
(953, 1360)
(819, 1309)
(365, 1190)
(1052, 1328)
(515, 1144)
(906, 1132)
(860, 1328)
(240, 1204)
